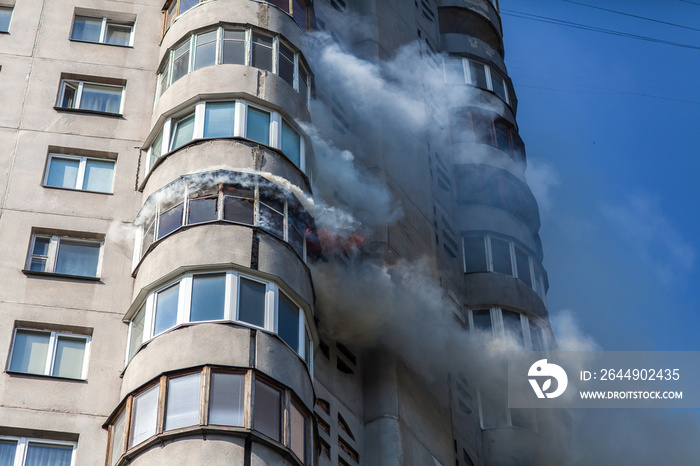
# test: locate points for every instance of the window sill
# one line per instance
(60, 275)
(5, 32)
(60, 188)
(88, 112)
(101, 43)
(43, 376)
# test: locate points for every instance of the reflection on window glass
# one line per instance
(267, 412)
(500, 255)
(98, 175)
(63, 172)
(137, 331)
(286, 64)
(77, 259)
(166, 309)
(29, 352)
(523, 262)
(205, 50)
(288, 321)
(272, 217)
(262, 52)
(69, 357)
(118, 34)
(203, 208)
(169, 220)
(291, 143)
(258, 125)
(251, 302)
(219, 119)
(475, 254)
(183, 133)
(233, 49)
(239, 204)
(478, 75)
(226, 399)
(208, 293)
(87, 29)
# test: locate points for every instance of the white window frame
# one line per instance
(54, 247)
(240, 126)
(231, 308)
(79, 93)
(498, 327)
(81, 171)
(23, 445)
(51, 351)
(467, 76)
(106, 22)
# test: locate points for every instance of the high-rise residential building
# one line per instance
(168, 265)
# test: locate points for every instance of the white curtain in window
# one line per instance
(7, 452)
(101, 98)
(145, 416)
(77, 259)
(70, 354)
(29, 352)
(183, 402)
(39, 454)
(226, 399)
(98, 176)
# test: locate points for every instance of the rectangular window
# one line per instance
(262, 52)
(454, 71)
(233, 49)
(475, 254)
(102, 30)
(288, 321)
(297, 429)
(137, 325)
(183, 131)
(523, 264)
(499, 86)
(49, 353)
(239, 205)
(477, 75)
(203, 206)
(166, 309)
(156, 149)
(512, 326)
(271, 216)
(7, 451)
(118, 434)
(169, 219)
(219, 119)
(81, 95)
(500, 256)
(537, 337)
(258, 125)
(285, 64)
(267, 410)
(5, 16)
(64, 255)
(182, 407)
(291, 143)
(181, 61)
(144, 416)
(303, 82)
(81, 173)
(30, 452)
(251, 302)
(226, 399)
(482, 319)
(205, 50)
(208, 292)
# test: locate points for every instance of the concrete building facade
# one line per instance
(160, 244)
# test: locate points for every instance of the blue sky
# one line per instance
(611, 130)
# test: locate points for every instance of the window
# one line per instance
(489, 253)
(175, 8)
(274, 411)
(460, 70)
(49, 353)
(35, 452)
(521, 329)
(102, 30)
(81, 173)
(5, 16)
(235, 46)
(66, 256)
(81, 95)
(228, 119)
(222, 296)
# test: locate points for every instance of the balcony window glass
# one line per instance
(258, 125)
(208, 292)
(69, 357)
(144, 417)
(537, 337)
(63, 172)
(166, 309)
(454, 71)
(303, 82)
(80, 173)
(475, 254)
(297, 429)
(169, 220)
(477, 73)
(503, 137)
(233, 47)
(288, 321)
(239, 205)
(182, 407)
(42, 454)
(267, 410)
(187, 4)
(262, 52)
(226, 400)
(272, 216)
(118, 433)
(499, 86)
(205, 50)
(286, 64)
(78, 259)
(482, 320)
(156, 148)
(137, 325)
(5, 15)
(513, 326)
(183, 132)
(118, 34)
(299, 13)
(500, 255)
(203, 207)
(251, 302)
(40, 254)
(523, 262)
(181, 61)
(98, 175)
(291, 143)
(219, 118)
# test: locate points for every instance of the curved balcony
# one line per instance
(477, 219)
(486, 8)
(493, 88)
(459, 24)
